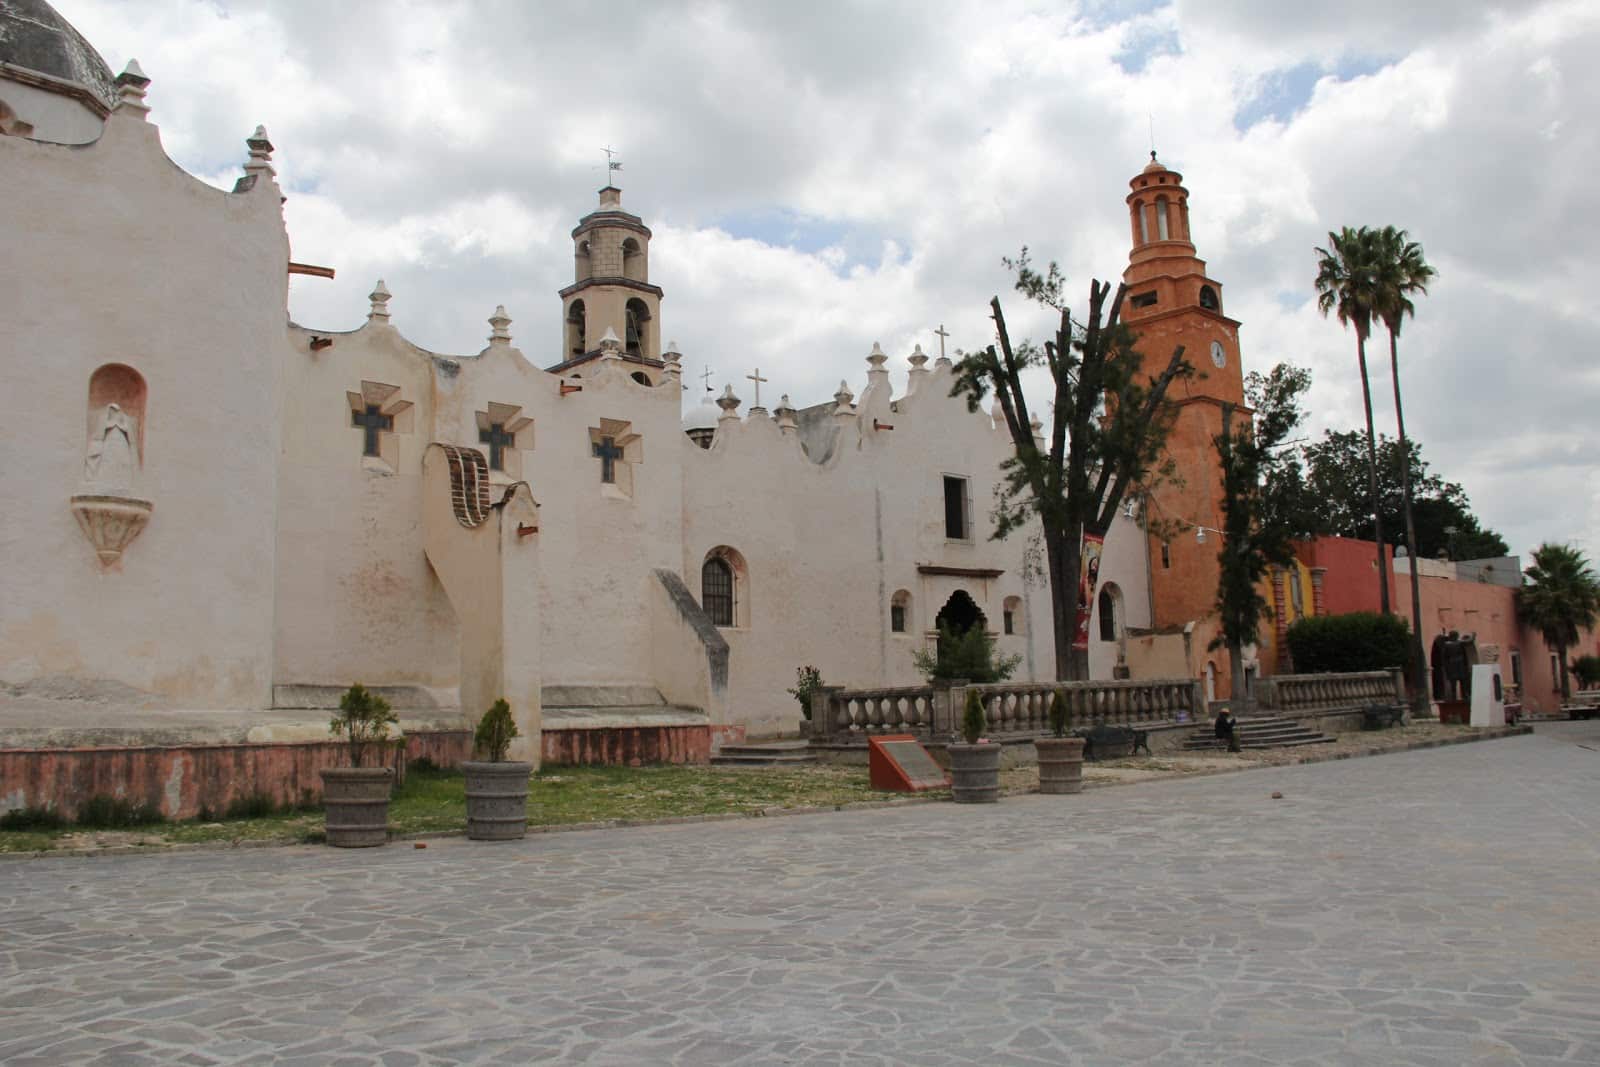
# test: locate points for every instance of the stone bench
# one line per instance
(1111, 742)
(1382, 716)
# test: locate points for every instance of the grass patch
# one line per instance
(434, 800)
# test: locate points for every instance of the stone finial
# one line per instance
(131, 85)
(784, 414)
(843, 399)
(1037, 427)
(728, 403)
(260, 153)
(919, 370)
(610, 345)
(876, 357)
(673, 360)
(379, 296)
(499, 322)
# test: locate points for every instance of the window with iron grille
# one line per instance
(897, 618)
(716, 591)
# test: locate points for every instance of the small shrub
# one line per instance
(972, 721)
(496, 730)
(254, 806)
(1058, 714)
(1357, 641)
(969, 655)
(807, 681)
(32, 819)
(422, 765)
(102, 812)
(1587, 670)
(363, 720)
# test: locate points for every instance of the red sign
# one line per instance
(900, 764)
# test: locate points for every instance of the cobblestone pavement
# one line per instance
(1437, 907)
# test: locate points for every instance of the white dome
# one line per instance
(702, 416)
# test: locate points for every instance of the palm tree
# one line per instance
(1561, 597)
(1347, 284)
(1403, 271)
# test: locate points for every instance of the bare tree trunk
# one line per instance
(1419, 686)
(1238, 692)
(1561, 663)
(1065, 562)
(1372, 477)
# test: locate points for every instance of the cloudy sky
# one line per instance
(821, 176)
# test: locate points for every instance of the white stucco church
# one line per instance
(213, 508)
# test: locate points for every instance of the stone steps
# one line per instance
(1258, 733)
(770, 754)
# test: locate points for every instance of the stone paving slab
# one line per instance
(1438, 907)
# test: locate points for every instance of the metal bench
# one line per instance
(1111, 742)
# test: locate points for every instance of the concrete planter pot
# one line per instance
(355, 801)
(1060, 764)
(975, 773)
(497, 800)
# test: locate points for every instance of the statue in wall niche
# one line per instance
(110, 463)
(1453, 657)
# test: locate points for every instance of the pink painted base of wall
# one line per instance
(181, 780)
(630, 746)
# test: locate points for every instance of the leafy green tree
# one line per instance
(1403, 272)
(1108, 431)
(1258, 530)
(1355, 641)
(1347, 284)
(1560, 597)
(1336, 498)
(971, 655)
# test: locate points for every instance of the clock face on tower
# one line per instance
(1219, 357)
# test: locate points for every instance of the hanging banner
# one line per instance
(1088, 582)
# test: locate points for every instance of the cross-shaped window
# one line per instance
(373, 421)
(608, 453)
(497, 439)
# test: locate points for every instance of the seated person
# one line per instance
(1224, 729)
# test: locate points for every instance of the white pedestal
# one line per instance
(1488, 695)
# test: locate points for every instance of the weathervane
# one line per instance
(611, 164)
(706, 376)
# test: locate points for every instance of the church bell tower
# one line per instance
(611, 291)
(1172, 301)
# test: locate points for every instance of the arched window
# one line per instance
(900, 612)
(632, 260)
(1108, 616)
(1161, 218)
(1208, 298)
(583, 266)
(1144, 223)
(724, 582)
(577, 330)
(1011, 617)
(1211, 681)
(641, 377)
(638, 328)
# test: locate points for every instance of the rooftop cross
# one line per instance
(758, 379)
(941, 333)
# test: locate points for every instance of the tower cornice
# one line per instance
(620, 282)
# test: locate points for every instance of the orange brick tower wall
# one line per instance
(1171, 301)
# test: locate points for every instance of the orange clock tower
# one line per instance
(1171, 301)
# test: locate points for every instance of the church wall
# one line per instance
(129, 260)
(55, 117)
(828, 546)
(597, 544)
(356, 599)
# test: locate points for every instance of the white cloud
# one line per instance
(449, 149)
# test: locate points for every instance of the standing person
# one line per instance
(1226, 728)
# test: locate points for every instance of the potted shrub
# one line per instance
(497, 788)
(807, 681)
(975, 765)
(1060, 756)
(355, 799)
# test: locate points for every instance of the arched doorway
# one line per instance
(959, 614)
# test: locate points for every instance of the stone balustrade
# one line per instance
(1286, 694)
(840, 715)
